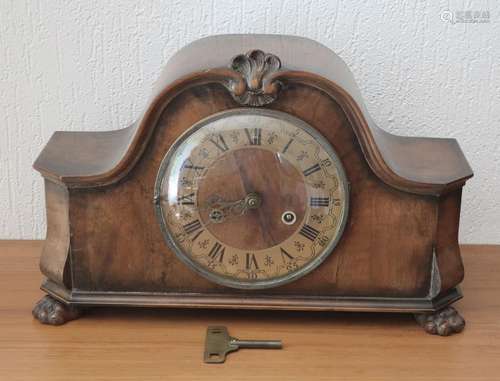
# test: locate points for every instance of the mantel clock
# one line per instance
(254, 179)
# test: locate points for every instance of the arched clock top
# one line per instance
(254, 69)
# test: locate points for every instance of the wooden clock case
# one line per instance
(399, 251)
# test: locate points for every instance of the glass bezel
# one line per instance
(231, 281)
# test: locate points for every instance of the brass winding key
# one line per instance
(218, 344)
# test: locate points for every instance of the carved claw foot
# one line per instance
(51, 311)
(443, 323)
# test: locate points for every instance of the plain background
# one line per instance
(90, 65)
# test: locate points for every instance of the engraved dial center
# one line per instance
(262, 180)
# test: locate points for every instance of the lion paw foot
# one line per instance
(51, 311)
(443, 323)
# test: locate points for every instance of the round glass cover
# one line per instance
(251, 198)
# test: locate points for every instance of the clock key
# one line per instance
(218, 344)
(257, 344)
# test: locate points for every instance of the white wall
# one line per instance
(90, 65)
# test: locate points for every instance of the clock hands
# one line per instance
(219, 209)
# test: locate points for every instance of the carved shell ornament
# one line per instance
(256, 68)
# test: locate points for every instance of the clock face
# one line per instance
(251, 198)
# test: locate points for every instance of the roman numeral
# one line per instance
(254, 136)
(311, 170)
(192, 227)
(219, 142)
(317, 202)
(285, 255)
(309, 232)
(287, 146)
(189, 165)
(195, 167)
(251, 262)
(217, 252)
(186, 200)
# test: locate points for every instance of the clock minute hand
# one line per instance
(221, 209)
(251, 201)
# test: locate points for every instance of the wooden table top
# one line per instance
(166, 344)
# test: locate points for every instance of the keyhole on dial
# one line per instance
(288, 218)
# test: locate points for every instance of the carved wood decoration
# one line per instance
(396, 245)
(257, 87)
(443, 323)
(51, 311)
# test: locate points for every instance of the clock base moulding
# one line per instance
(433, 314)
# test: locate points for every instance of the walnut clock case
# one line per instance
(255, 179)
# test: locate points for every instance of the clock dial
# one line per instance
(252, 198)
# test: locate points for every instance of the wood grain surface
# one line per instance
(149, 344)
(385, 250)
